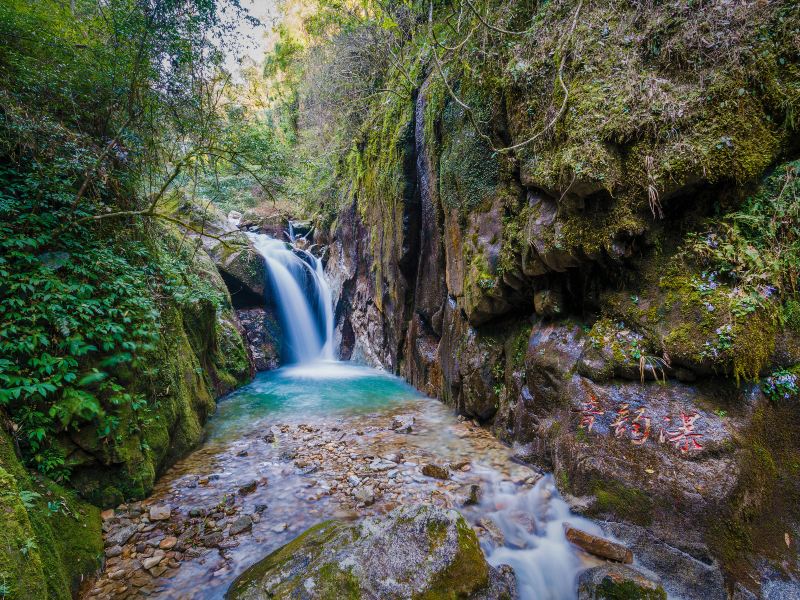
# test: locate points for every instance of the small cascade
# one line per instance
(302, 298)
(532, 524)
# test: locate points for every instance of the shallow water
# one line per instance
(321, 390)
(327, 423)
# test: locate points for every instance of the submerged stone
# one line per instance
(436, 471)
(415, 551)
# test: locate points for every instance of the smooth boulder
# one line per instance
(415, 551)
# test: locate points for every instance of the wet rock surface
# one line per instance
(294, 476)
(262, 331)
(414, 551)
(618, 581)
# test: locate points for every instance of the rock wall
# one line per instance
(545, 291)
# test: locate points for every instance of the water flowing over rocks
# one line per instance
(310, 468)
(414, 551)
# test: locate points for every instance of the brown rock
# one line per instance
(436, 471)
(598, 546)
(149, 563)
(160, 513)
(168, 543)
(107, 514)
(248, 488)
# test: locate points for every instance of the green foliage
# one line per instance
(88, 127)
(256, 165)
(758, 246)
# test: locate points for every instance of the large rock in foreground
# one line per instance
(415, 552)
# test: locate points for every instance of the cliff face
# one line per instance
(584, 295)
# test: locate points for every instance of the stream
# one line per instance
(324, 439)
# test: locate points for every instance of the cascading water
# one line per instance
(302, 298)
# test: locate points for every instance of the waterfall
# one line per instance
(302, 298)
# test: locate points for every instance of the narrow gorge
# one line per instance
(453, 299)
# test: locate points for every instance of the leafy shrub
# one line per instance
(88, 128)
(758, 247)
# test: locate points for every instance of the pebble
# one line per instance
(120, 536)
(168, 543)
(248, 488)
(160, 513)
(149, 563)
(240, 525)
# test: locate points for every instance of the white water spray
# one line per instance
(545, 563)
(302, 297)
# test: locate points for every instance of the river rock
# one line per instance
(403, 424)
(248, 488)
(365, 495)
(212, 539)
(598, 546)
(149, 563)
(121, 536)
(240, 525)
(434, 553)
(618, 581)
(168, 543)
(160, 513)
(436, 471)
(473, 495)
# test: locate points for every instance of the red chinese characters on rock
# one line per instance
(684, 437)
(620, 424)
(640, 427)
(590, 410)
(637, 425)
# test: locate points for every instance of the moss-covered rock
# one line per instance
(618, 582)
(416, 552)
(49, 539)
(200, 354)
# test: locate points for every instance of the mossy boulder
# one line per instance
(618, 582)
(419, 552)
(200, 355)
(49, 539)
(234, 255)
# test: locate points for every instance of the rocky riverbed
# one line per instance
(261, 480)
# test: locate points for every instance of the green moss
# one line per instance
(21, 568)
(626, 590)
(334, 582)
(627, 503)
(49, 542)
(791, 315)
(467, 573)
(764, 506)
(308, 545)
